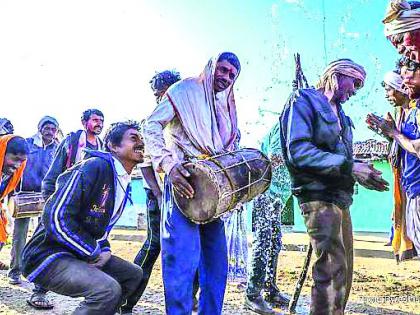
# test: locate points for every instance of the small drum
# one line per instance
(26, 204)
(221, 182)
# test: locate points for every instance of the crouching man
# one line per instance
(69, 253)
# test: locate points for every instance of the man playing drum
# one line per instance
(199, 117)
(13, 153)
(42, 147)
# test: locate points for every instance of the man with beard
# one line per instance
(13, 153)
(316, 139)
(70, 150)
(408, 138)
(402, 27)
(199, 118)
(69, 253)
(42, 147)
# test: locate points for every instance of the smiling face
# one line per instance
(224, 75)
(347, 87)
(48, 132)
(12, 162)
(130, 150)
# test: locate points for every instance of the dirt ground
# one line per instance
(380, 286)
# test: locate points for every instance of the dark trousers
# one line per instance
(331, 235)
(20, 232)
(266, 245)
(150, 250)
(104, 290)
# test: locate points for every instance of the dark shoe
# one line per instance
(277, 299)
(15, 279)
(258, 305)
(126, 311)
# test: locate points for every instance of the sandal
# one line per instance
(39, 301)
(3, 266)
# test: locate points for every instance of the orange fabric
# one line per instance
(401, 244)
(14, 181)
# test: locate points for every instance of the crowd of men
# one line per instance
(85, 182)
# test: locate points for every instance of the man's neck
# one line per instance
(128, 166)
(91, 138)
(46, 143)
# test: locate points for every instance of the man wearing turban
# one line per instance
(316, 139)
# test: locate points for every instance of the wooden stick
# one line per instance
(301, 281)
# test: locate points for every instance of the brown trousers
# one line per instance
(331, 235)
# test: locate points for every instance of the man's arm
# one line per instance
(150, 178)
(301, 151)
(56, 168)
(61, 216)
(161, 156)
(153, 136)
(388, 128)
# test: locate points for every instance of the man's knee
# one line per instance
(109, 292)
(137, 274)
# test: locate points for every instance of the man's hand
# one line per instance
(178, 176)
(367, 176)
(101, 260)
(385, 126)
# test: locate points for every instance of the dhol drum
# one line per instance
(26, 204)
(221, 182)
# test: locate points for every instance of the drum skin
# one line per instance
(221, 182)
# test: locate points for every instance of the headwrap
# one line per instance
(163, 80)
(3, 126)
(395, 81)
(329, 79)
(401, 17)
(194, 102)
(38, 136)
(13, 182)
(47, 119)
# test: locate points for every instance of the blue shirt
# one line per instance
(411, 163)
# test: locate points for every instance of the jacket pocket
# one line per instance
(326, 132)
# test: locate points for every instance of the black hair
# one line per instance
(116, 131)
(231, 58)
(17, 145)
(89, 112)
(164, 79)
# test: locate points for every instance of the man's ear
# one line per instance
(112, 147)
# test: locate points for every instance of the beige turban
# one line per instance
(329, 79)
(400, 18)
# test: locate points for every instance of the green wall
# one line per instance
(371, 210)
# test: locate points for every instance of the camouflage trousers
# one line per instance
(266, 245)
(331, 236)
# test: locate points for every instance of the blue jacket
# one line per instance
(77, 217)
(64, 158)
(37, 164)
(318, 155)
